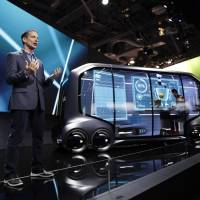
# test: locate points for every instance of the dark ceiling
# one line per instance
(149, 32)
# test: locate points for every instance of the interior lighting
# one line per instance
(131, 62)
(161, 31)
(105, 2)
(170, 20)
(169, 61)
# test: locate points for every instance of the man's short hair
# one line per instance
(25, 34)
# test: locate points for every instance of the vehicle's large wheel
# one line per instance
(102, 140)
(76, 141)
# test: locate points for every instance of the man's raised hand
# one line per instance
(33, 66)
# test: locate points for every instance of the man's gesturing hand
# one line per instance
(57, 72)
(33, 66)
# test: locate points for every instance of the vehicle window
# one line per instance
(165, 103)
(97, 94)
(192, 94)
(133, 104)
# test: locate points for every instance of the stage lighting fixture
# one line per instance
(105, 2)
(161, 31)
(131, 61)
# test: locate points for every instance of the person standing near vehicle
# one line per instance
(181, 109)
(25, 72)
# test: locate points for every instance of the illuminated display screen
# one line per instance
(120, 97)
(103, 96)
(103, 101)
(54, 49)
(163, 91)
(128, 98)
(142, 93)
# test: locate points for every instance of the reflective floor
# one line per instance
(84, 176)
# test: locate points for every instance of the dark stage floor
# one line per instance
(85, 176)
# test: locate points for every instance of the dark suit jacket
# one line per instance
(28, 90)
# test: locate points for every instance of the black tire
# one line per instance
(102, 140)
(75, 141)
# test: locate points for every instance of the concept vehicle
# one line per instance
(102, 105)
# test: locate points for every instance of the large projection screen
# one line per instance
(54, 49)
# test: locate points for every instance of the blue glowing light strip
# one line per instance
(54, 82)
(18, 48)
(56, 44)
(56, 188)
(9, 40)
(63, 75)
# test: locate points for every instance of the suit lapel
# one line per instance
(26, 59)
(24, 56)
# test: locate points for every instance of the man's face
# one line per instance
(31, 40)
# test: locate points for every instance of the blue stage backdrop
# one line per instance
(55, 49)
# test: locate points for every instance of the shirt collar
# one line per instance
(29, 54)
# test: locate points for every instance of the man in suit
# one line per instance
(25, 72)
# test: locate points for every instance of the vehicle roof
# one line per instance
(89, 66)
